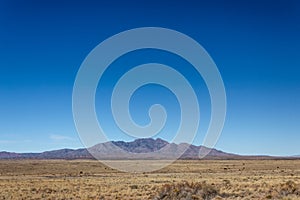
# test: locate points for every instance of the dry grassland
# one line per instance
(87, 179)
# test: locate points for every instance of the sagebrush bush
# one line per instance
(186, 190)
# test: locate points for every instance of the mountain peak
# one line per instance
(142, 145)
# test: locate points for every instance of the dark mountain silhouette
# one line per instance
(147, 148)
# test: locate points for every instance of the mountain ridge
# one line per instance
(143, 148)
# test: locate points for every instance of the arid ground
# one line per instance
(204, 179)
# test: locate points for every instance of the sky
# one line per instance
(255, 45)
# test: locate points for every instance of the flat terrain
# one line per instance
(204, 179)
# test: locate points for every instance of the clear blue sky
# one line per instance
(255, 44)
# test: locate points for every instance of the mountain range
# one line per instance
(146, 148)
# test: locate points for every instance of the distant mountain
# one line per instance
(56, 154)
(9, 155)
(147, 148)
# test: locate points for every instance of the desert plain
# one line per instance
(184, 179)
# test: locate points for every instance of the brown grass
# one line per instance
(86, 179)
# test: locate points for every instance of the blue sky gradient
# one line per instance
(255, 45)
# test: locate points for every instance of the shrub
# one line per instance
(187, 190)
